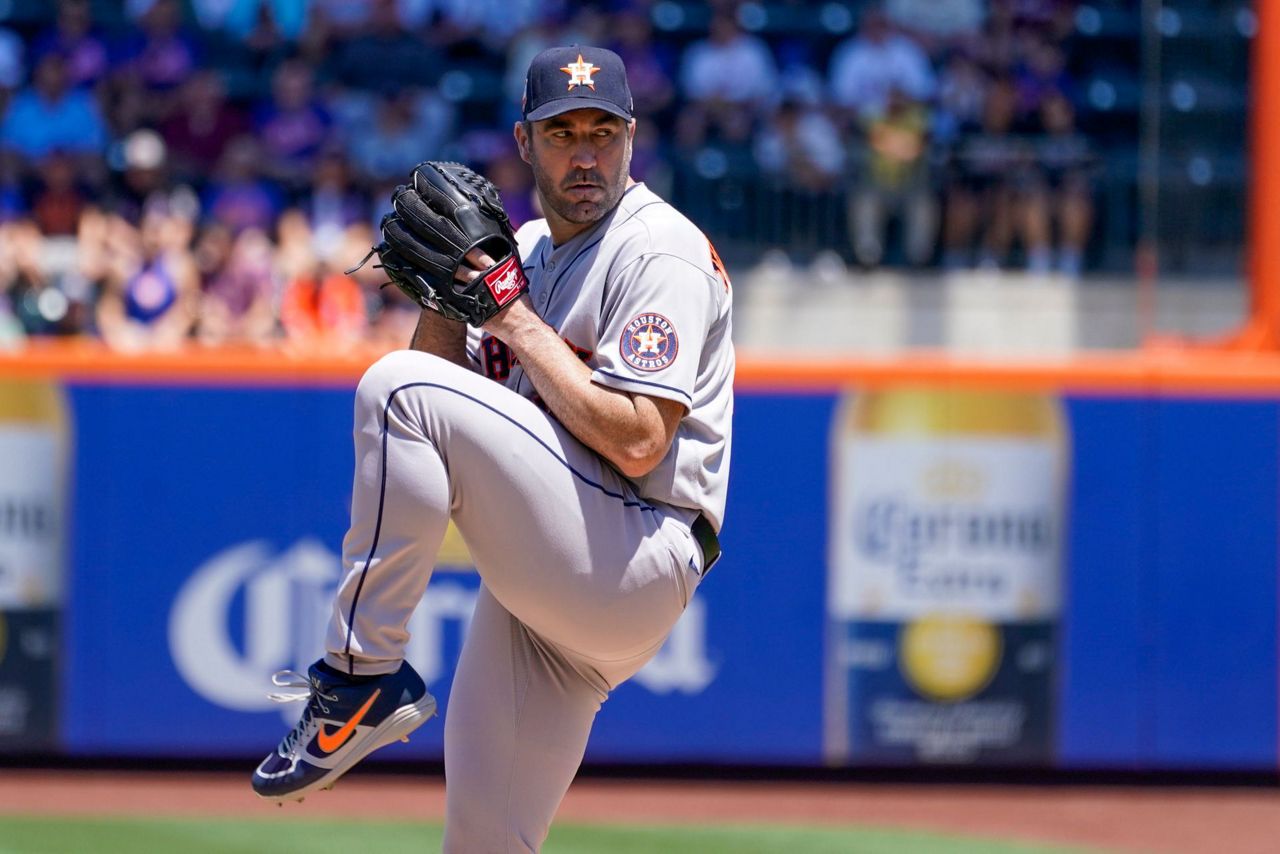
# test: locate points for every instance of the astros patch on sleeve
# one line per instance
(652, 338)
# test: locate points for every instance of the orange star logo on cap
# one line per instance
(580, 73)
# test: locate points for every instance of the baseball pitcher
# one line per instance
(567, 401)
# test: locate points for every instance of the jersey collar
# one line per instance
(625, 204)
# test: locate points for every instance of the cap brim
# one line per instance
(577, 102)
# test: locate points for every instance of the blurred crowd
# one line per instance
(947, 125)
(207, 169)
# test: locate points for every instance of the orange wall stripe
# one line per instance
(1213, 373)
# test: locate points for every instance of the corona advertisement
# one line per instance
(945, 555)
(34, 441)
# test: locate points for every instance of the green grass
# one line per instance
(62, 835)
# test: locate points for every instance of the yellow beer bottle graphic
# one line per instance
(944, 584)
(34, 436)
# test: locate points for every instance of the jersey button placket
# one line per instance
(542, 297)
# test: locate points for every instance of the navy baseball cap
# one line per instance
(577, 77)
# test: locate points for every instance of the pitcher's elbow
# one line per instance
(638, 459)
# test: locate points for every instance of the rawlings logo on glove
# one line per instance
(445, 212)
(506, 281)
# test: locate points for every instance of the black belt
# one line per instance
(707, 539)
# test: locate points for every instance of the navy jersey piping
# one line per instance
(678, 391)
(382, 490)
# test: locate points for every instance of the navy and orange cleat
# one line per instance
(345, 720)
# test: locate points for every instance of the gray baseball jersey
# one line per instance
(643, 299)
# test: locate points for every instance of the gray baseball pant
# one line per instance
(582, 582)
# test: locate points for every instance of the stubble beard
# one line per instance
(554, 194)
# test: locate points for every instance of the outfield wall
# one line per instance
(1086, 580)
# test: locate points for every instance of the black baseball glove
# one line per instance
(446, 211)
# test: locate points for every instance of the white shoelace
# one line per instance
(293, 679)
(301, 733)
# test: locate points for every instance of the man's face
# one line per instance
(581, 161)
(51, 77)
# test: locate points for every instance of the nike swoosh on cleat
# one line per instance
(331, 741)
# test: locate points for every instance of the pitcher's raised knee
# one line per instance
(398, 369)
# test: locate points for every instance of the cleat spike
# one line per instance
(405, 739)
(280, 804)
